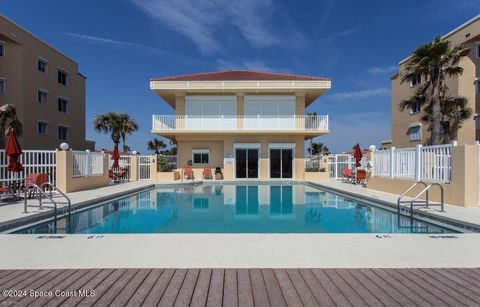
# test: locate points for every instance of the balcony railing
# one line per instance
(240, 122)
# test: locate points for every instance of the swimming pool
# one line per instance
(235, 208)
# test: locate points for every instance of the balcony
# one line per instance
(293, 124)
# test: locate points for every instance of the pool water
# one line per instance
(236, 208)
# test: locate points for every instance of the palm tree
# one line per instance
(129, 125)
(325, 150)
(9, 120)
(156, 145)
(110, 122)
(433, 62)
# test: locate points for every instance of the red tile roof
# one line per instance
(240, 75)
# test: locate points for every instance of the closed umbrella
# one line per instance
(115, 156)
(357, 154)
(13, 151)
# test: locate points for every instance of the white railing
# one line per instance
(33, 161)
(144, 168)
(86, 164)
(426, 163)
(313, 163)
(124, 163)
(240, 122)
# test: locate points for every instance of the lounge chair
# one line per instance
(347, 175)
(188, 173)
(361, 176)
(207, 173)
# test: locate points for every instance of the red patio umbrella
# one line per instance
(357, 154)
(13, 151)
(115, 157)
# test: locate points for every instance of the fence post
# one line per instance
(89, 164)
(418, 162)
(392, 162)
(372, 161)
(134, 167)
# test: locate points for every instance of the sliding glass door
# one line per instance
(281, 163)
(246, 163)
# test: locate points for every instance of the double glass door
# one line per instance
(281, 163)
(246, 161)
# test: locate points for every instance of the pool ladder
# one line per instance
(415, 200)
(40, 191)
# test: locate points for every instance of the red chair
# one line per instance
(347, 175)
(207, 173)
(188, 173)
(361, 176)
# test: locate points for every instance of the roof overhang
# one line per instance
(312, 89)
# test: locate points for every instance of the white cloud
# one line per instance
(383, 91)
(335, 36)
(382, 70)
(202, 21)
(244, 64)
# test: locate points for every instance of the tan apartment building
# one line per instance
(407, 128)
(250, 124)
(46, 88)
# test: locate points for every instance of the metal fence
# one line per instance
(33, 161)
(124, 163)
(166, 163)
(144, 167)
(86, 163)
(427, 163)
(313, 163)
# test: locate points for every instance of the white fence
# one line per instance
(427, 163)
(124, 163)
(144, 168)
(86, 163)
(33, 161)
(240, 122)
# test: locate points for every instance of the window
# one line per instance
(2, 86)
(42, 65)
(42, 96)
(62, 77)
(415, 108)
(415, 133)
(417, 79)
(62, 105)
(2, 49)
(62, 133)
(42, 128)
(477, 49)
(477, 85)
(201, 156)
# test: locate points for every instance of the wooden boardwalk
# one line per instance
(247, 287)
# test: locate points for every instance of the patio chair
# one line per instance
(361, 176)
(207, 173)
(347, 175)
(188, 173)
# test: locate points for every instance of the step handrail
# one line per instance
(406, 192)
(426, 190)
(415, 198)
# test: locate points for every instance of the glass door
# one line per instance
(246, 163)
(281, 163)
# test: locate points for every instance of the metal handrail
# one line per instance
(399, 200)
(415, 199)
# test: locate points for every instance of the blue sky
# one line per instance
(121, 44)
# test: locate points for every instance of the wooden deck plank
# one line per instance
(447, 289)
(51, 284)
(387, 288)
(101, 288)
(116, 289)
(318, 291)
(420, 291)
(144, 288)
(447, 279)
(275, 295)
(215, 292)
(245, 293)
(23, 281)
(348, 291)
(173, 288)
(63, 285)
(363, 291)
(5, 273)
(200, 293)
(289, 292)
(412, 295)
(472, 273)
(132, 285)
(19, 276)
(422, 284)
(306, 296)
(334, 292)
(159, 288)
(230, 288)
(259, 291)
(77, 285)
(186, 291)
(470, 281)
